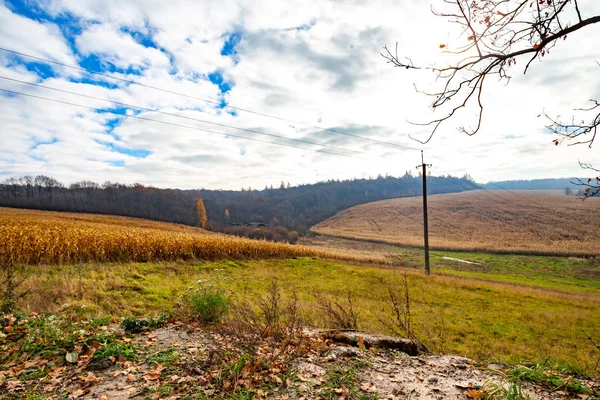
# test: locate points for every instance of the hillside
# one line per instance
(295, 208)
(537, 222)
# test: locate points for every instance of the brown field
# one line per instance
(526, 222)
(42, 237)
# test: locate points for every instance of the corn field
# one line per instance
(41, 237)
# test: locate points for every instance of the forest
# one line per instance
(294, 208)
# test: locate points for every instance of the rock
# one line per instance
(343, 351)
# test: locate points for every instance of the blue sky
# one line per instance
(314, 63)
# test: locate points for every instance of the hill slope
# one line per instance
(537, 222)
(295, 208)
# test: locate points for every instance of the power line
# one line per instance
(481, 193)
(484, 191)
(174, 124)
(185, 117)
(518, 195)
(206, 100)
(503, 198)
(489, 192)
(466, 188)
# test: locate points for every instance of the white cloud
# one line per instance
(119, 48)
(27, 36)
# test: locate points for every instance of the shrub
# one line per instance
(293, 237)
(136, 325)
(208, 304)
(274, 234)
(257, 233)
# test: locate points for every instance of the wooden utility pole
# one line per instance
(425, 225)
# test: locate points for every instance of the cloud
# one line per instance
(119, 48)
(340, 61)
(28, 36)
(308, 62)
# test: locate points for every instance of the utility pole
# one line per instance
(425, 225)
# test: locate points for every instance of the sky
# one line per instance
(297, 66)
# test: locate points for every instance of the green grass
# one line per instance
(543, 376)
(165, 357)
(116, 349)
(557, 273)
(346, 378)
(496, 391)
(135, 325)
(568, 274)
(518, 309)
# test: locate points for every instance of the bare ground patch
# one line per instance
(183, 361)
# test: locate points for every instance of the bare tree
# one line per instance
(495, 34)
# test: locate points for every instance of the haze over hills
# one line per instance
(536, 184)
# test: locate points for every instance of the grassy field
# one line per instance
(42, 237)
(510, 308)
(491, 319)
(557, 273)
(528, 222)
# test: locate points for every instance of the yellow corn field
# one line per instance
(42, 237)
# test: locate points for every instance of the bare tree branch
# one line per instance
(592, 185)
(495, 33)
(499, 32)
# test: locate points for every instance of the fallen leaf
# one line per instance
(475, 394)
(79, 393)
(72, 357)
(361, 342)
(14, 385)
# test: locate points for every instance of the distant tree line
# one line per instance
(298, 208)
(537, 184)
(287, 211)
(136, 200)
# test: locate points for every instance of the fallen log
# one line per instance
(354, 338)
